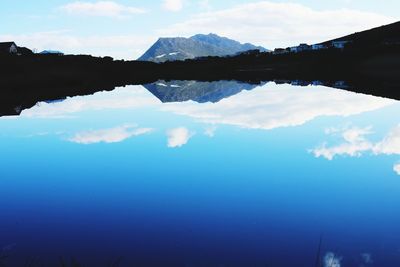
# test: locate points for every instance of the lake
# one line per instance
(186, 173)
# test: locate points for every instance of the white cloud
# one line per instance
(117, 46)
(112, 135)
(178, 137)
(205, 4)
(173, 5)
(101, 8)
(273, 106)
(331, 260)
(277, 24)
(264, 23)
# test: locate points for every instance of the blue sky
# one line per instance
(126, 28)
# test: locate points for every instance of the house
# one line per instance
(303, 47)
(282, 81)
(300, 83)
(8, 48)
(317, 83)
(318, 46)
(300, 48)
(23, 51)
(279, 51)
(341, 85)
(339, 44)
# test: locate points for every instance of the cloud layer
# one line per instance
(277, 24)
(127, 46)
(112, 135)
(101, 8)
(264, 23)
(173, 5)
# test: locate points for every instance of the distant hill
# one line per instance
(199, 45)
(53, 52)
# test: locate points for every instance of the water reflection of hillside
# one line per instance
(201, 92)
(13, 103)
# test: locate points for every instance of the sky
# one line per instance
(125, 29)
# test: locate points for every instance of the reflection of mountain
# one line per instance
(196, 46)
(201, 92)
(172, 91)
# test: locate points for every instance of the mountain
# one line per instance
(200, 45)
(53, 52)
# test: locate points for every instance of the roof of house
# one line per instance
(6, 44)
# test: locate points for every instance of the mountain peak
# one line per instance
(208, 35)
(199, 45)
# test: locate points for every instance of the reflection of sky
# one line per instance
(238, 177)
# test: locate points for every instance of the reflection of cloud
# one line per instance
(396, 168)
(210, 131)
(355, 143)
(367, 258)
(121, 98)
(112, 135)
(331, 260)
(390, 144)
(178, 137)
(274, 106)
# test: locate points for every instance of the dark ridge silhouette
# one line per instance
(367, 63)
(388, 34)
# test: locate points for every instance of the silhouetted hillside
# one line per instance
(387, 34)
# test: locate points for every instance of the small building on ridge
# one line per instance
(8, 48)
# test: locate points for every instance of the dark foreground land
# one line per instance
(370, 64)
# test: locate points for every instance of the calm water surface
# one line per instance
(220, 174)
